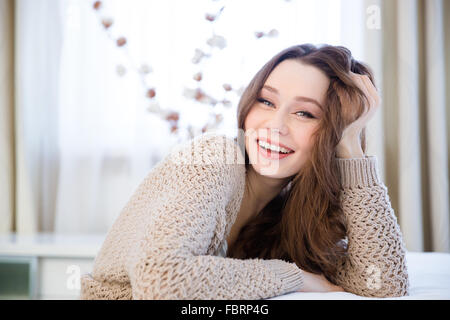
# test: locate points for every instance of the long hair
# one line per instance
(305, 223)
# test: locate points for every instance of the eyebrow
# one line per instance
(297, 98)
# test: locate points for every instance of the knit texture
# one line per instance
(169, 241)
(376, 263)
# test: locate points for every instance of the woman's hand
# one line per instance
(350, 144)
(318, 283)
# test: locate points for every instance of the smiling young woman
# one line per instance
(301, 209)
(315, 101)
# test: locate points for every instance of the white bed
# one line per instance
(429, 276)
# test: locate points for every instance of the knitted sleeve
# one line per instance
(169, 260)
(375, 265)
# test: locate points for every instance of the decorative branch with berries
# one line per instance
(198, 94)
(143, 70)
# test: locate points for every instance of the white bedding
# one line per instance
(429, 276)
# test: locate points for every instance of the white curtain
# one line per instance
(6, 116)
(423, 172)
(86, 138)
(410, 55)
(38, 39)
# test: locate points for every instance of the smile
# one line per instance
(273, 152)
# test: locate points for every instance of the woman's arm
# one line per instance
(170, 260)
(376, 264)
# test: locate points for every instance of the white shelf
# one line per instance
(51, 245)
(55, 262)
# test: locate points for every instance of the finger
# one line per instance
(372, 94)
(363, 85)
(368, 92)
(360, 82)
(370, 84)
(358, 79)
(373, 91)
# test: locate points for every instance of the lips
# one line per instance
(272, 155)
(272, 143)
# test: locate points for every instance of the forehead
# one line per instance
(292, 78)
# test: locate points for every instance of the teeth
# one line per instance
(266, 145)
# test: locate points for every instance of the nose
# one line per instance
(278, 123)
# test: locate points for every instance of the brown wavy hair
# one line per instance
(305, 223)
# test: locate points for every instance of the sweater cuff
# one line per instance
(359, 172)
(291, 276)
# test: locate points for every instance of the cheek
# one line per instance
(304, 143)
(254, 122)
(252, 119)
(303, 138)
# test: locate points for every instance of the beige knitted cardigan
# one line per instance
(169, 241)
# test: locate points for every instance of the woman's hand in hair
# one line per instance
(318, 283)
(350, 144)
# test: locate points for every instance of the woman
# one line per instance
(292, 204)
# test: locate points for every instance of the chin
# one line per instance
(272, 171)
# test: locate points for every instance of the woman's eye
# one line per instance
(305, 114)
(300, 113)
(264, 101)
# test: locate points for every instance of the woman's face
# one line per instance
(286, 113)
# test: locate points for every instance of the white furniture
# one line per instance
(45, 266)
